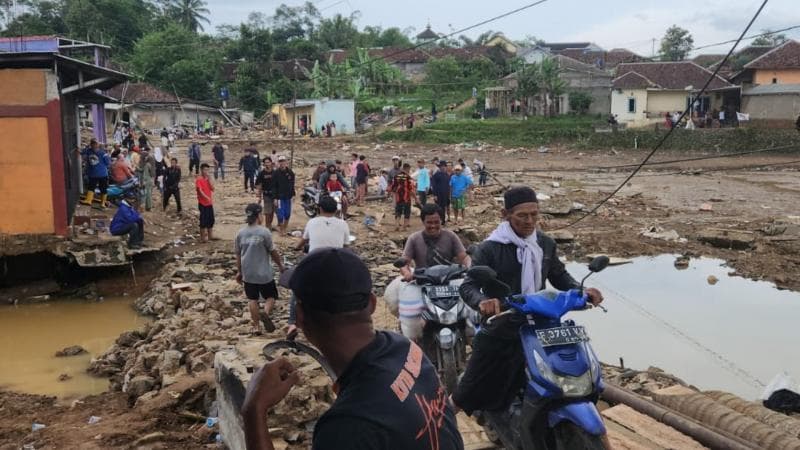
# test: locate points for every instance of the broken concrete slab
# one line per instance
(557, 206)
(724, 238)
(561, 236)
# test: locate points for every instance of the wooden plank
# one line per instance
(622, 438)
(651, 429)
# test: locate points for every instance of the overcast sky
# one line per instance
(609, 23)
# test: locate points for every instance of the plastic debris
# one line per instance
(212, 421)
(94, 419)
(38, 426)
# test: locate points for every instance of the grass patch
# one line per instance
(508, 132)
(579, 132)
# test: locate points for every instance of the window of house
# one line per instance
(631, 105)
(774, 81)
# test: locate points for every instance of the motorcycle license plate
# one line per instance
(442, 291)
(562, 336)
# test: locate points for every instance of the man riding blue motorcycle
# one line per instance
(523, 259)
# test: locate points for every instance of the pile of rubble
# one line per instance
(643, 382)
(198, 309)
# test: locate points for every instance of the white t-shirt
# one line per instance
(324, 232)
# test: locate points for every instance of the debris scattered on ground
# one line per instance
(712, 280)
(682, 262)
(72, 350)
(656, 232)
(725, 238)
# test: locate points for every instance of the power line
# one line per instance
(719, 358)
(660, 143)
(769, 33)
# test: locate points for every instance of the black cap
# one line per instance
(333, 280)
(442, 163)
(518, 195)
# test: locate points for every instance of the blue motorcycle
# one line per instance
(556, 409)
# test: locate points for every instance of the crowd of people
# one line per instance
(389, 393)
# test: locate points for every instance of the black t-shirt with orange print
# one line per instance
(389, 398)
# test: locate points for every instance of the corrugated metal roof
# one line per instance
(773, 89)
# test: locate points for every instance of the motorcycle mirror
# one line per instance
(482, 274)
(399, 263)
(599, 263)
(472, 249)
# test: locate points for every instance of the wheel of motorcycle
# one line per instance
(449, 369)
(310, 209)
(569, 436)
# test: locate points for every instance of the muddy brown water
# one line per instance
(30, 335)
(735, 335)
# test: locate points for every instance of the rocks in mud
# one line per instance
(64, 377)
(170, 362)
(140, 385)
(72, 350)
(644, 382)
(129, 338)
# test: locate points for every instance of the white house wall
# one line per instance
(619, 106)
(342, 112)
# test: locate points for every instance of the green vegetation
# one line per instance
(579, 132)
(508, 132)
(676, 44)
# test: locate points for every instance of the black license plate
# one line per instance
(561, 336)
(442, 291)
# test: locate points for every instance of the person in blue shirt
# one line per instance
(97, 164)
(127, 220)
(423, 177)
(194, 157)
(459, 185)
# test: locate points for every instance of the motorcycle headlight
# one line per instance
(580, 386)
(446, 338)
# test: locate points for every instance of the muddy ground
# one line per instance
(754, 195)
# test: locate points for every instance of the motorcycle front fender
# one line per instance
(582, 414)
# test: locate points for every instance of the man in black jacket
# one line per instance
(523, 258)
(172, 180)
(284, 192)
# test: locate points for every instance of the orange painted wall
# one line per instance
(22, 87)
(784, 76)
(26, 203)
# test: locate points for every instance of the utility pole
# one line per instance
(654, 48)
(294, 114)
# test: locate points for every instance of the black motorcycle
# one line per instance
(447, 319)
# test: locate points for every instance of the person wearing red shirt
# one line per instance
(205, 201)
(403, 189)
(334, 185)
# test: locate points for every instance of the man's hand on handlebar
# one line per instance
(595, 296)
(490, 307)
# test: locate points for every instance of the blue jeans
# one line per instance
(284, 210)
(219, 169)
(135, 232)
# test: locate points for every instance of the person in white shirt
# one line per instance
(322, 231)
(467, 170)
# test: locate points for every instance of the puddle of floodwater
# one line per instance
(31, 334)
(714, 337)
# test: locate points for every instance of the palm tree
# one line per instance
(189, 13)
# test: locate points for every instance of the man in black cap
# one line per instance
(389, 393)
(524, 258)
(440, 187)
(253, 245)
